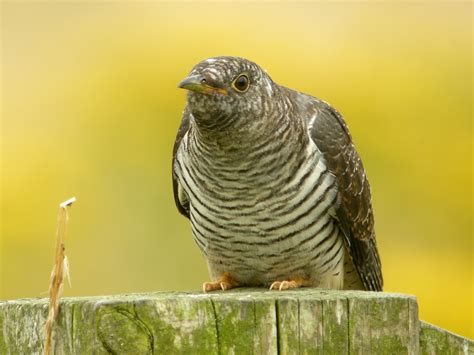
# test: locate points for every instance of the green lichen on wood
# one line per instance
(265, 338)
(389, 326)
(23, 326)
(3, 344)
(383, 325)
(434, 340)
(300, 326)
(241, 321)
(359, 325)
(287, 311)
(122, 332)
(235, 325)
(310, 325)
(335, 325)
(180, 324)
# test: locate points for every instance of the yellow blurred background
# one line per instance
(90, 109)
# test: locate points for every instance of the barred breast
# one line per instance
(263, 214)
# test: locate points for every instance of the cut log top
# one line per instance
(243, 321)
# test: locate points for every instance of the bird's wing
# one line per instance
(180, 198)
(354, 211)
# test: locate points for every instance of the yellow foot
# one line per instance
(287, 284)
(224, 283)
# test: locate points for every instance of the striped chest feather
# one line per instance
(261, 214)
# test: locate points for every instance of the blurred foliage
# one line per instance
(90, 109)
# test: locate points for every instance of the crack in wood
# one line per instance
(150, 333)
(278, 330)
(216, 323)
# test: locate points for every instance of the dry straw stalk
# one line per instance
(60, 270)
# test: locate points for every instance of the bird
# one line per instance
(273, 187)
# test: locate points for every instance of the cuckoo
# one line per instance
(274, 189)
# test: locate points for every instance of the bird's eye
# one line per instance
(241, 83)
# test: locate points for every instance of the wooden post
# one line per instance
(243, 321)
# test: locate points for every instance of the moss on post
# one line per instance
(434, 340)
(241, 321)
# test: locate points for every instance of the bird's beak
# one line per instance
(197, 84)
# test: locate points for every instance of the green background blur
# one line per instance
(90, 109)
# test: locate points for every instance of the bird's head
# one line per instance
(227, 89)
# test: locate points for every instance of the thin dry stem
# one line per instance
(60, 270)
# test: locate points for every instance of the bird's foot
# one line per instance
(287, 284)
(224, 283)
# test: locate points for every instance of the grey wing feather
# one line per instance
(181, 203)
(354, 212)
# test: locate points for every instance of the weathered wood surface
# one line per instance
(244, 321)
(434, 340)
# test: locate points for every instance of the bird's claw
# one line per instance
(286, 284)
(224, 283)
(216, 285)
